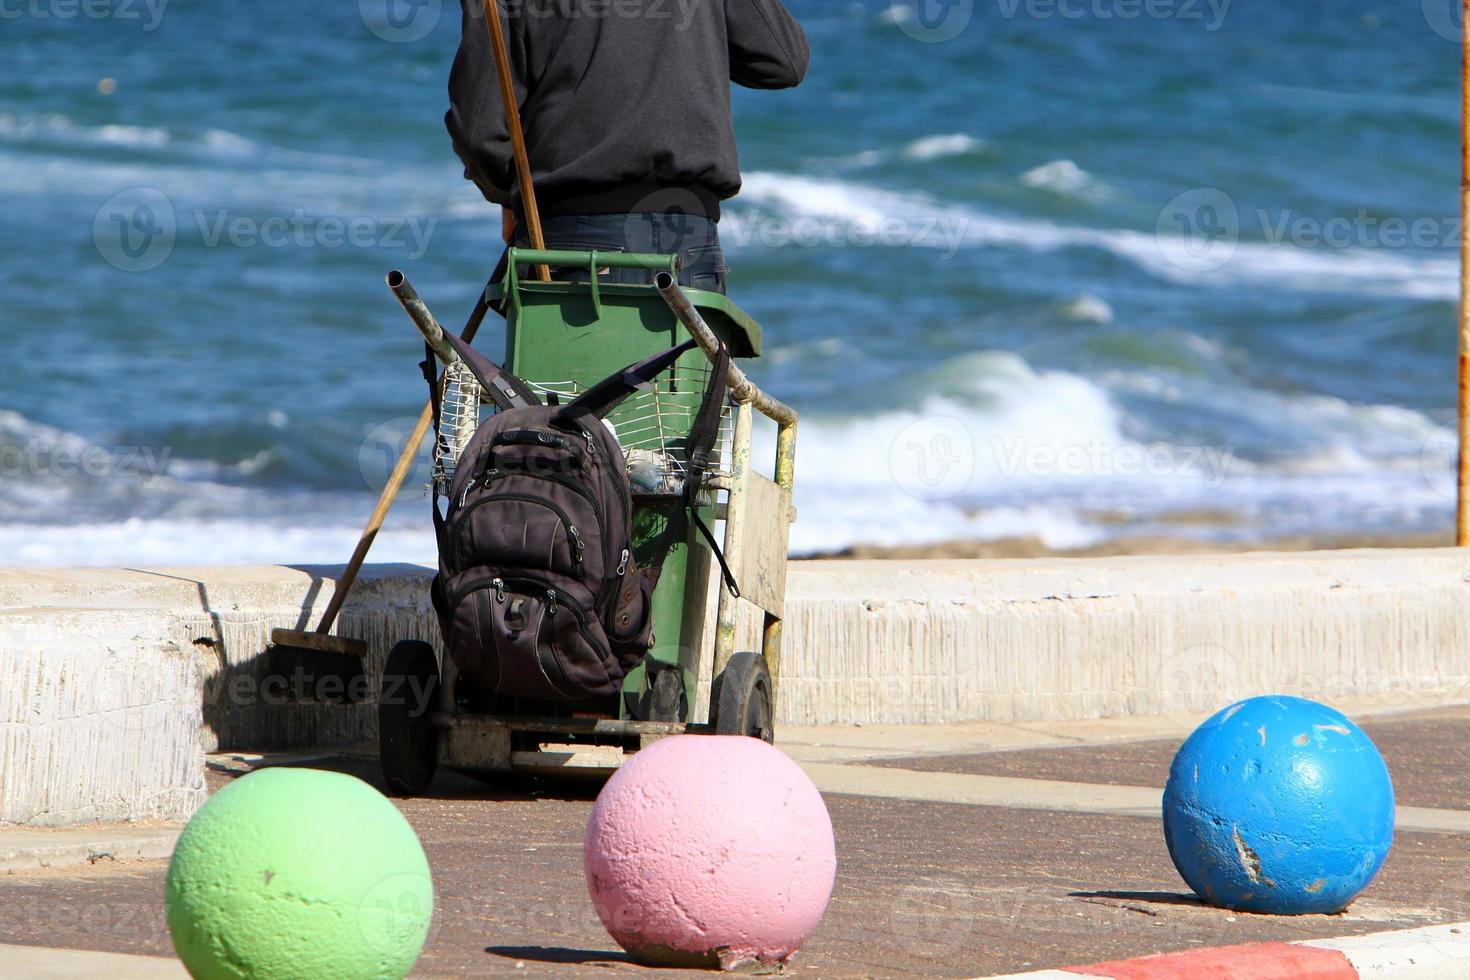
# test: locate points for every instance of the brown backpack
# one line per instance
(538, 594)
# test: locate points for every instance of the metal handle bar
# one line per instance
(742, 388)
(603, 260)
(418, 312)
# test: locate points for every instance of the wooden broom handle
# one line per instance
(517, 136)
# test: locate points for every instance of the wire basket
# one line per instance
(652, 425)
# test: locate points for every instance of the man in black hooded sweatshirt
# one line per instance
(626, 110)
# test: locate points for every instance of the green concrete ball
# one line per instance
(299, 873)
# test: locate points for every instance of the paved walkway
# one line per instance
(964, 850)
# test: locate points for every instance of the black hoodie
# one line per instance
(625, 103)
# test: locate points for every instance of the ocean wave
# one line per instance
(223, 139)
(938, 147)
(221, 540)
(930, 472)
(842, 207)
(200, 190)
(921, 150)
(44, 469)
(1088, 309)
(1000, 449)
(216, 166)
(54, 126)
(59, 128)
(993, 448)
(1291, 433)
(1064, 177)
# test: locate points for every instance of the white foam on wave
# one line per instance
(132, 135)
(199, 469)
(846, 209)
(203, 192)
(59, 127)
(1305, 432)
(1064, 177)
(216, 168)
(1088, 309)
(1370, 271)
(944, 145)
(1000, 449)
(224, 140)
(48, 470)
(924, 474)
(174, 541)
(991, 447)
(921, 150)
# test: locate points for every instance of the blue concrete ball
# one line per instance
(1278, 805)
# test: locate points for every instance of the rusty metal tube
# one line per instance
(418, 312)
(742, 388)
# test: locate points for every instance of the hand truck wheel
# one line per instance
(408, 744)
(741, 702)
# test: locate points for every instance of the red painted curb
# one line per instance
(1258, 961)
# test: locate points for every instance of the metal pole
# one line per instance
(741, 387)
(418, 312)
(1462, 516)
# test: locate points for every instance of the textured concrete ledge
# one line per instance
(927, 642)
(115, 682)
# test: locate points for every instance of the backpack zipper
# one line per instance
(554, 603)
(490, 476)
(598, 511)
(624, 502)
(574, 536)
(620, 477)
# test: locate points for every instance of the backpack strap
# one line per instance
(706, 429)
(612, 391)
(702, 438)
(503, 388)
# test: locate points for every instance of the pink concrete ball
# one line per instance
(710, 851)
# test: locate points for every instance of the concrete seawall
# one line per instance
(114, 683)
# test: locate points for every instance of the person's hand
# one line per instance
(507, 225)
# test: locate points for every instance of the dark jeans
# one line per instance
(696, 239)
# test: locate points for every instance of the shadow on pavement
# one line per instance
(557, 954)
(1152, 898)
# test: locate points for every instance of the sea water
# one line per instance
(1065, 270)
